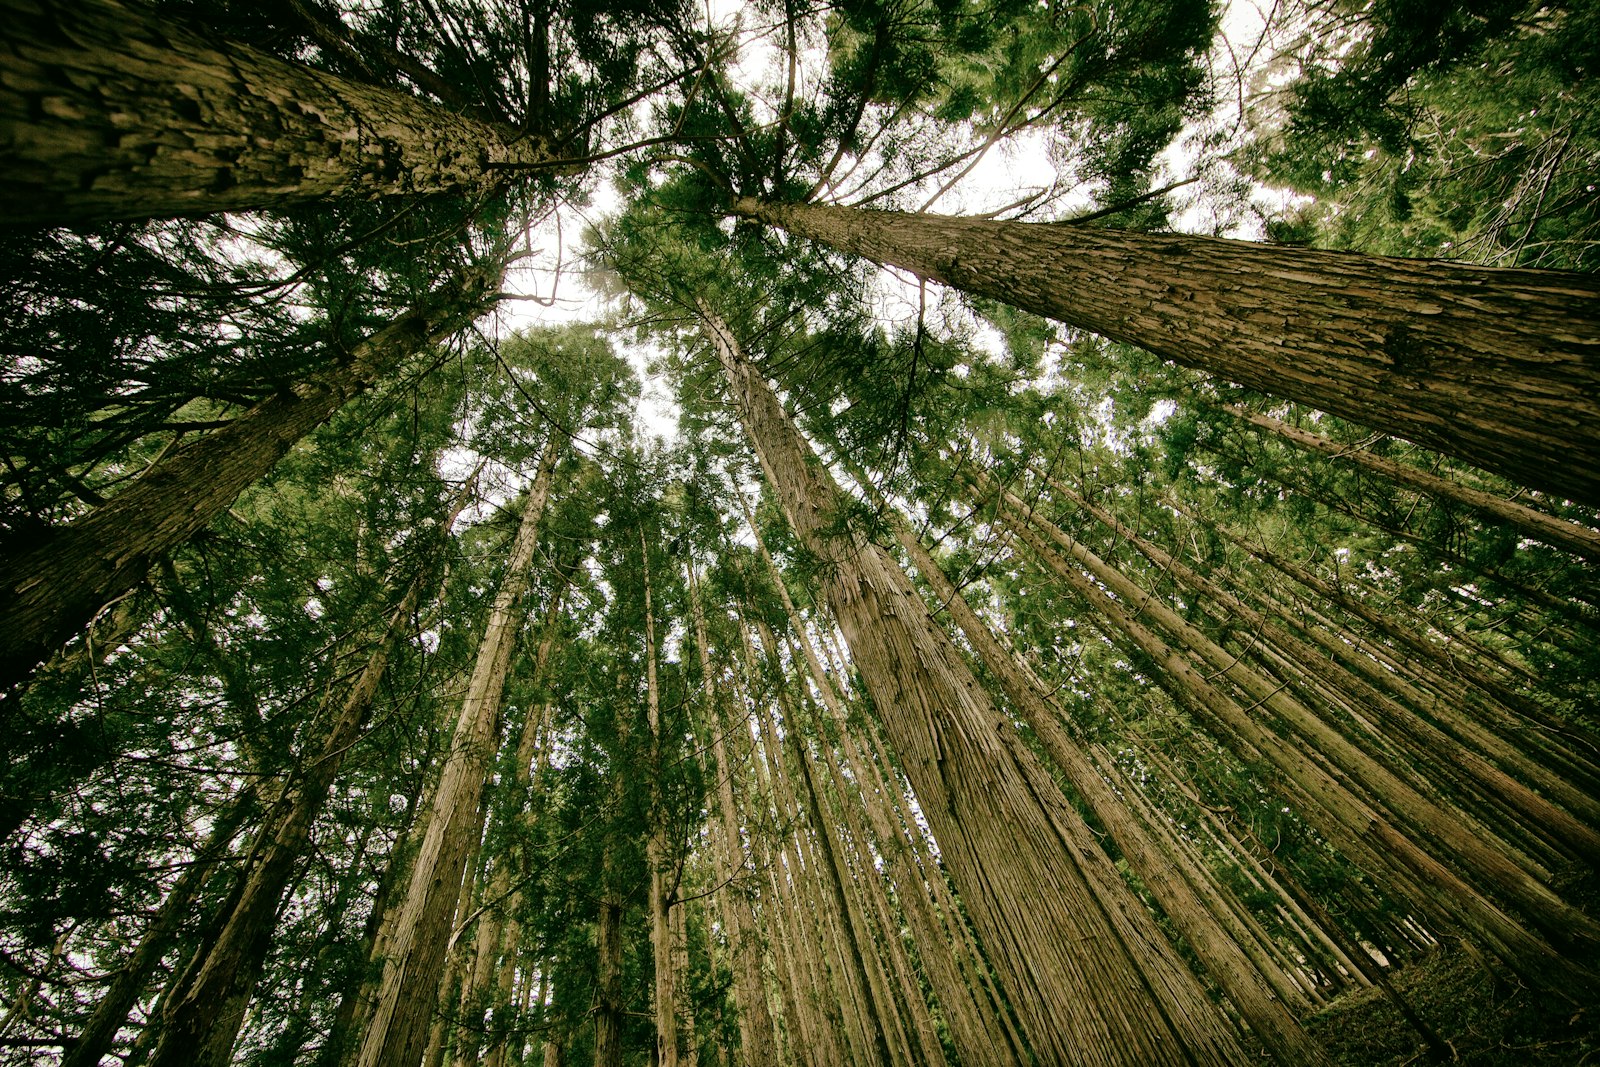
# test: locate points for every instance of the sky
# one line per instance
(555, 276)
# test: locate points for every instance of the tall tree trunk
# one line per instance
(398, 1029)
(757, 1036)
(659, 852)
(488, 985)
(1539, 525)
(608, 986)
(109, 111)
(1334, 806)
(1032, 876)
(49, 593)
(1169, 881)
(111, 1013)
(201, 1028)
(1500, 367)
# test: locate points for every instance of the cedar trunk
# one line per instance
(202, 1027)
(397, 1033)
(52, 591)
(1500, 367)
(1090, 976)
(108, 111)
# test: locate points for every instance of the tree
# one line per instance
(1494, 366)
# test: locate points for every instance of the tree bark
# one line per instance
(1558, 533)
(1500, 367)
(757, 1036)
(50, 592)
(415, 956)
(108, 111)
(1028, 869)
(1168, 881)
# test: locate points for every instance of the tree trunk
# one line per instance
(202, 1027)
(415, 957)
(1500, 367)
(1168, 881)
(1332, 804)
(111, 1013)
(757, 1036)
(608, 987)
(1558, 533)
(49, 593)
(1038, 888)
(659, 853)
(109, 111)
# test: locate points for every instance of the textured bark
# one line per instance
(1168, 881)
(977, 1034)
(1559, 533)
(608, 987)
(415, 955)
(757, 1036)
(50, 592)
(1332, 803)
(1028, 869)
(1385, 716)
(1500, 367)
(108, 111)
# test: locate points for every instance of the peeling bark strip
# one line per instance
(50, 592)
(110, 112)
(1499, 367)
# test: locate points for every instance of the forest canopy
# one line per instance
(887, 533)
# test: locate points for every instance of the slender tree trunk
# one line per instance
(1539, 525)
(488, 985)
(1330, 803)
(111, 1013)
(1219, 949)
(608, 986)
(1500, 367)
(757, 1036)
(50, 592)
(659, 853)
(202, 1027)
(109, 111)
(398, 1029)
(1028, 869)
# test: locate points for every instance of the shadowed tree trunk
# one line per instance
(50, 592)
(1500, 367)
(415, 956)
(1559, 533)
(201, 1028)
(108, 111)
(1029, 871)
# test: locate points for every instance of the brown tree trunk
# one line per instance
(201, 1028)
(1219, 949)
(757, 1036)
(1559, 533)
(1032, 876)
(49, 593)
(398, 1029)
(1332, 804)
(109, 111)
(488, 986)
(111, 1013)
(1500, 367)
(608, 986)
(659, 853)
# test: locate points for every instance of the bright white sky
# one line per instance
(1002, 177)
